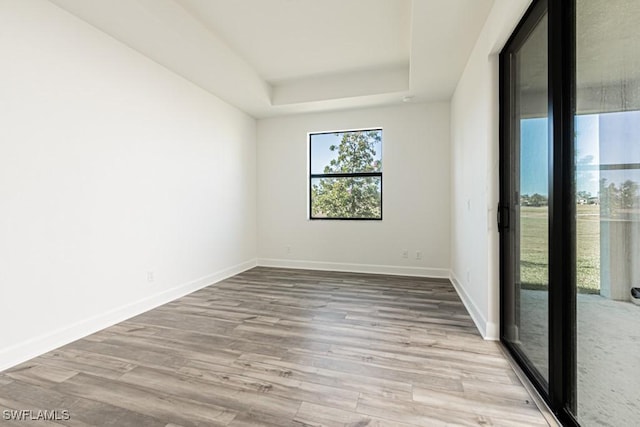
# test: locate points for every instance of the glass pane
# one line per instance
(346, 152)
(527, 323)
(608, 211)
(346, 197)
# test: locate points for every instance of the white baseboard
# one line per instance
(436, 273)
(33, 347)
(488, 330)
(493, 332)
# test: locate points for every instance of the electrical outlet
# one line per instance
(150, 276)
(418, 254)
(405, 253)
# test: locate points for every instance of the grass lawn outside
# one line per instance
(534, 253)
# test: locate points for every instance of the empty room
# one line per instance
(319, 213)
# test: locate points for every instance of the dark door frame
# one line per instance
(560, 391)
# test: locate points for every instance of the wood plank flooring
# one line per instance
(278, 347)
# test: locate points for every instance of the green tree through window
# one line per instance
(346, 175)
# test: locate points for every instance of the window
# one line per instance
(345, 177)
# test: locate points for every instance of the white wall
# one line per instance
(110, 167)
(474, 171)
(415, 194)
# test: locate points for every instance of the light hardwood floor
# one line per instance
(277, 347)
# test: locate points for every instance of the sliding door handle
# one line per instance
(503, 217)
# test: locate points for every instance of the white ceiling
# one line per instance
(288, 39)
(271, 57)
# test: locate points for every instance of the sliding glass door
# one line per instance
(570, 206)
(527, 197)
(607, 147)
